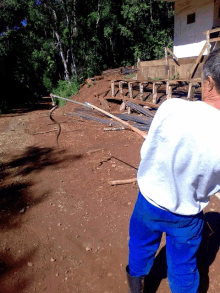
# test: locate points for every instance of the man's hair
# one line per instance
(212, 68)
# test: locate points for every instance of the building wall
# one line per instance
(188, 38)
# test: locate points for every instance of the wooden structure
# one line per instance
(191, 19)
(196, 33)
(175, 71)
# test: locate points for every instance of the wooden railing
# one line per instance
(211, 40)
(206, 46)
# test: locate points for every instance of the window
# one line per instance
(191, 18)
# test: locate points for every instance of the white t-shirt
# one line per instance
(180, 158)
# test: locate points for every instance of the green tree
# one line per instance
(73, 39)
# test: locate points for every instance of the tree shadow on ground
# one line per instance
(35, 159)
(8, 269)
(206, 256)
(16, 198)
(21, 108)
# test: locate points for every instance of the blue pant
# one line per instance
(183, 237)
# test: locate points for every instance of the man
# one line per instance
(178, 172)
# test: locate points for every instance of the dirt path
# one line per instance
(63, 227)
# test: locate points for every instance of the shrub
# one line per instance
(65, 90)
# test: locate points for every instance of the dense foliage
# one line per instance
(45, 41)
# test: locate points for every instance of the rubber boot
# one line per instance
(136, 284)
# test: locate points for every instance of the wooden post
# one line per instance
(113, 88)
(189, 91)
(121, 87)
(167, 85)
(168, 90)
(197, 61)
(208, 41)
(166, 57)
(154, 93)
(130, 90)
(122, 107)
(141, 87)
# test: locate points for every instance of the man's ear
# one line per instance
(210, 83)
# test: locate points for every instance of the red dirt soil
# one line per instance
(64, 228)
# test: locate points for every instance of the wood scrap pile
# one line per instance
(138, 123)
(142, 120)
(128, 70)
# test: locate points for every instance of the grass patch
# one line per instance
(130, 75)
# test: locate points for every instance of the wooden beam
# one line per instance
(151, 105)
(214, 40)
(212, 31)
(174, 56)
(197, 61)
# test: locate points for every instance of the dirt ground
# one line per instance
(64, 228)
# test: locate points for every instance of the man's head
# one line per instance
(211, 77)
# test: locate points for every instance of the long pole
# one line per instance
(141, 133)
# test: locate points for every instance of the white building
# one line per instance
(192, 18)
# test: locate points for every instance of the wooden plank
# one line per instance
(151, 105)
(126, 181)
(197, 61)
(186, 5)
(212, 31)
(214, 40)
(174, 56)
